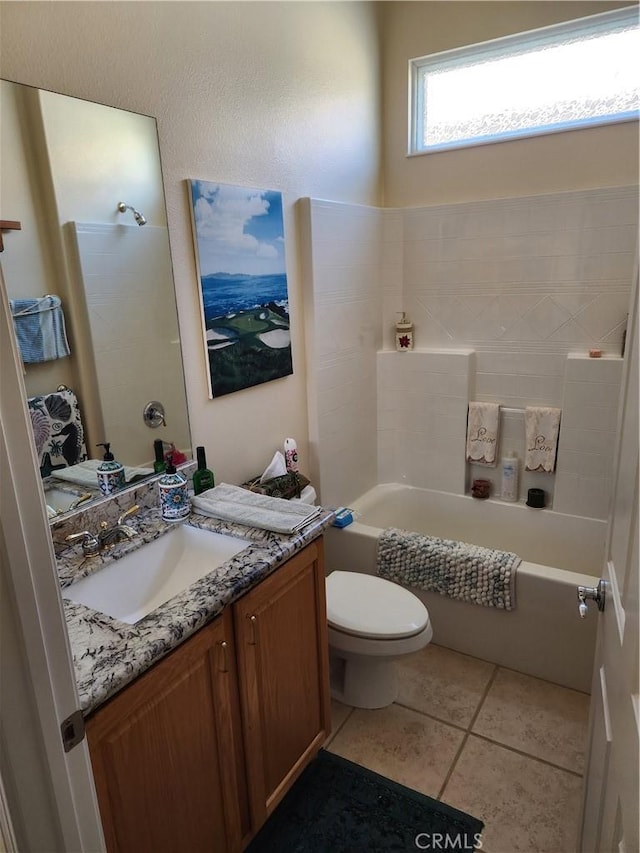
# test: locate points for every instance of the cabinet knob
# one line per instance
(252, 621)
(225, 649)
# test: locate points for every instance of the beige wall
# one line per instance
(275, 95)
(581, 159)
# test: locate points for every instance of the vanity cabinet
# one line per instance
(282, 650)
(167, 753)
(196, 753)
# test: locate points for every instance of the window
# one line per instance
(572, 75)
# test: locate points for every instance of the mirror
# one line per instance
(84, 182)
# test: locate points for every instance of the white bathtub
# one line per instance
(544, 636)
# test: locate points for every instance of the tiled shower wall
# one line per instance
(134, 335)
(501, 293)
(343, 307)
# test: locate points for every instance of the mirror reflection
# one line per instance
(90, 282)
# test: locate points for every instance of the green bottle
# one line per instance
(159, 466)
(203, 477)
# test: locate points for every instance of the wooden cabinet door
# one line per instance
(282, 649)
(166, 753)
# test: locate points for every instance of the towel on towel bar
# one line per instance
(542, 426)
(455, 569)
(482, 433)
(235, 504)
(40, 330)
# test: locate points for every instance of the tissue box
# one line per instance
(287, 486)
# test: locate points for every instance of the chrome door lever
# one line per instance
(591, 593)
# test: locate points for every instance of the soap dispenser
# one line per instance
(174, 494)
(110, 472)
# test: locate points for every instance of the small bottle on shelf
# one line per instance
(509, 477)
(203, 478)
(291, 455)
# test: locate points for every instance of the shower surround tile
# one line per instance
(524, 283)
(424, 395)
(536, 717)
(403, 745)
(526, 805)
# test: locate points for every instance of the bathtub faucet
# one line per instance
(591, 593)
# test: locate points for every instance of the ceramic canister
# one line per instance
(110, 477)
(174, 496)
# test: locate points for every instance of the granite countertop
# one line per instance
(108, 654)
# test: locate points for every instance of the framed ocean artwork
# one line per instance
(239, 241)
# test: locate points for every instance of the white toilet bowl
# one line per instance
(372, 622)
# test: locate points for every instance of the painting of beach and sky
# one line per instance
(239, 238)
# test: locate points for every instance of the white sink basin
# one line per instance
(132, 587)
(61, 500)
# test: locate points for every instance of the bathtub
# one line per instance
(544, 635)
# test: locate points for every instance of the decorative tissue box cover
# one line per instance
(287, 486)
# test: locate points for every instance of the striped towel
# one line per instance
(455, 569)
(40, 330)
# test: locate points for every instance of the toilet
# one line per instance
(372, 622)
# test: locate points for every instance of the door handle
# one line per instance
(591, 593)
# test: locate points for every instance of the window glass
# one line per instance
(577, 74)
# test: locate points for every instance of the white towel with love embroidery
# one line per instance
(542, 428)
(482, 433)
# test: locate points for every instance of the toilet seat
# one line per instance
(368, 606)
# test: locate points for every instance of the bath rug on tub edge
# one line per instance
(341, 807)
(455, 569)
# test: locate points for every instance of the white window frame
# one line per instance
(497, 48)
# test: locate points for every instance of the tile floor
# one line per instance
(503, 746)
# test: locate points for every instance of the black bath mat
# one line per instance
(339, 807)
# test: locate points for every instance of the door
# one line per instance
(54, 805)
(610, 810)
(281, 633)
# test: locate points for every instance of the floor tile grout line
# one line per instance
(527, 755)
(468, 730)
(456, 757)
(544, 680)
(429, 716)
(333, 735)
(511, 669)
(474, 716)
(453, 766)
(483, 698)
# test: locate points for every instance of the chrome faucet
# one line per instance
(107, 536)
